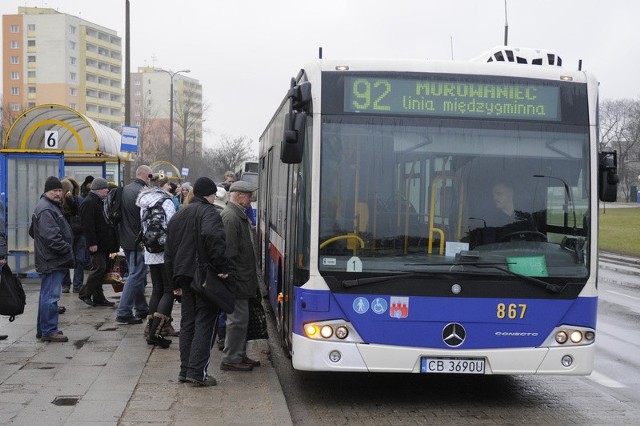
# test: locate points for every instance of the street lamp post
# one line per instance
(171, 75)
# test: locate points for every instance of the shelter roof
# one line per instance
(79, 137)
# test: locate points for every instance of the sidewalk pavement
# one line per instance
(107, 374)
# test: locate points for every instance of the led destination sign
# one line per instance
(526, 101)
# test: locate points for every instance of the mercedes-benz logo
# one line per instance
(453, 334)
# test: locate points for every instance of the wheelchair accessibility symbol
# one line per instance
(379, 305)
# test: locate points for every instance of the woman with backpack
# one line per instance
(156, 209)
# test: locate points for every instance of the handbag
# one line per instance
(257, 320)
(211, 288)
(12, 296)
(215, 290)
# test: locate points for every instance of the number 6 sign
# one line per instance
(51, 139)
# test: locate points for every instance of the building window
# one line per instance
(15, 44)
(73, 76)
(72, 29)
(31, 105)
(31, 43)
(15, 29)
(72, 45)
(73, 91)
(31, 58)
(31, 27)
(138, 92)
(15, 107)
(31, 74)
(15, 75)
(137, 82)
(15, 91)
(31, 89)
(15, 60)
(138, 102)
(72, 60)
(72, 105)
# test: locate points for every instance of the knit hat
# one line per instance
(204, 186)
(52, 182)
(99, 183)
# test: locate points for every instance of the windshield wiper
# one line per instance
(554, 288)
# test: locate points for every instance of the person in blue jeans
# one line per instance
(53, 240)
(133, 297)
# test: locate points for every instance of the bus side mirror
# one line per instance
(291, 148)
(608, 176)
(300, 95)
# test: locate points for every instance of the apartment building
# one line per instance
(150, 111)
(53, 57)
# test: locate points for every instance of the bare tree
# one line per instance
(620, 130)
(188, 116)
(228, 154)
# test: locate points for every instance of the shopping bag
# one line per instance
(257, 320)
(12, 297)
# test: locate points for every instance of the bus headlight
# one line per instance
(342, 332)
(568, 335)
(332, 330)
(326, 331)
(576, 336)
(561, 337)
(311, 330)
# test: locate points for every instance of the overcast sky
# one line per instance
(244, 52)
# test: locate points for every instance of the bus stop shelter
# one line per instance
(48, 140)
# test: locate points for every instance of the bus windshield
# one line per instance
(402, 194)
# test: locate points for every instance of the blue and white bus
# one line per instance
(435, 216)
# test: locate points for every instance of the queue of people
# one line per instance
(206, 227)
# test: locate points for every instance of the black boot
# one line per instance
(155, 338)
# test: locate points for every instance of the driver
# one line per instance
(505, 218)
(502, 222)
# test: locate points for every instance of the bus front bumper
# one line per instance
(314, 355)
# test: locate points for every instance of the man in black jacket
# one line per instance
(129, 229)
(198, 316)
(101, 241)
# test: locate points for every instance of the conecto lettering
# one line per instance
(515, 334)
